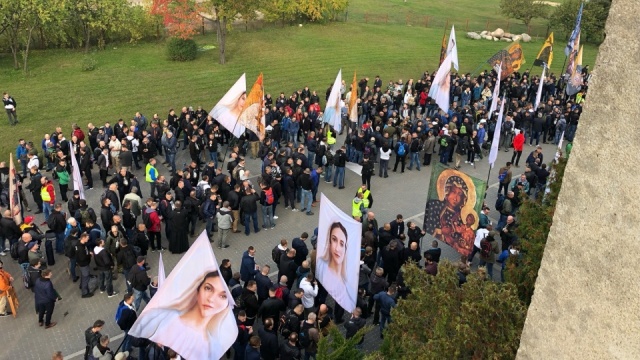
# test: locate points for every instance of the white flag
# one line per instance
(441, 85)
(452, 48)
(77, 178)
(228, 109)
(496, 91)
(539, 94)
(161, 275)
(493, 155)
(332, 112)
(192, 312)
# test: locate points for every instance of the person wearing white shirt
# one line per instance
(310, 287)
(385, 154)
(33, 161)
(481, 233)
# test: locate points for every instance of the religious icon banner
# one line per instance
(453, 207)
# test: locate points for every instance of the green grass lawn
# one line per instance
(131, 78)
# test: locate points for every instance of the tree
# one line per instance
(524, 10)
(335, 346)
(224, 11)
(280, 10)
(441, 320)
(180, 17)
(535, 218)
(594, 17)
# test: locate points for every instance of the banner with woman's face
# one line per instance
(338, 254)
(192, 311)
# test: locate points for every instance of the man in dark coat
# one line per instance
(301, 248)
(45, 297)
(179, 223)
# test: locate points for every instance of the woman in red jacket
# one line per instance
(518, 144)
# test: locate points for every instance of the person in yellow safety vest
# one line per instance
(48, 195)
(367, 198)
(151, 175)
(357, 206)
(331, 140)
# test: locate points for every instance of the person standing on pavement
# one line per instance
(340, 161)
(354, 325)
(267, 199)
(504, 178)
(367, 172)
(225, 221)
(125, 317)
(126, 256)
(151, 175)
(5, 284)
(269, 348)
(92, 337)
(248, 267)
(518, 145)
(249, 206)
(83, 260)
(34, 188)
(48, 195)
(45, 298)
(305, 182)
(105, 264)
(387, 303)
(414, 151)
(401, 150)
(140, 281)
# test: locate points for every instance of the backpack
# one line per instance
(401, 150)
(121, 307)
(443, 142)
(500, 202)
(275, 254)
(236, 172)
(336, 159)
(303, 336)
(14, 250)
(463, 130)
(279, 292)
(503, 175)
(146, 218)
(26, 279)
(508, 126)
(485, 248)
(103, 196)
(268, 193)
(285, 323)
(328, 157)
(200, 192)
(85, 216)
(367, 150)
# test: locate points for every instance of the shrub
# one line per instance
(181, 50)
(88, 63)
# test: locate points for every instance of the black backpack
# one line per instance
(275, 254)
(14, 250)
(303, 336)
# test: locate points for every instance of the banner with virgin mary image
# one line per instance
(192, 312)
(453, 207)
(338, 254)
(228, 109)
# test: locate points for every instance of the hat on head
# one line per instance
(28, 219)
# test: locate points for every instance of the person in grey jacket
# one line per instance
(429, 148)
(225, 221)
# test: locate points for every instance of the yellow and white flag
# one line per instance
(252, 115)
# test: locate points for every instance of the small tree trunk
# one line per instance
(87, 40)
(14, 52)
(222, 28)
(25, 55)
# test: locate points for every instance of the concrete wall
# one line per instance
(587, 299)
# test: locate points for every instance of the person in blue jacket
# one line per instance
(45, 297)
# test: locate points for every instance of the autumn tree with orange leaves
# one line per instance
(180, 17)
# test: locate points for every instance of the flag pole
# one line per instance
(504, 95)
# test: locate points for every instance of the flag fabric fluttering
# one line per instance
(493, 155)
(575, 81)
(571, 63)
(353, 100)
(452, 48)
(496, 92)
(539, 93)
(228, 109)
(332, 112)
(574, 34)
(441, 86)
(77, 177)
(252, 115)
(14, 194)
(545, 56)
(161, 275)
(511, 58)
(443, 48)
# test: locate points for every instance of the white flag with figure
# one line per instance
(441, 85)
(228, 109)
(496, 91)
(493, 155)
(539, 94)
(338, 258)
(192, 312)
(77, 178)
(332, 112)
(452, 48)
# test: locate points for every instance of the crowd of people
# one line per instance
(298, 150)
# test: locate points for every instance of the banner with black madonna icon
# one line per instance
(452, 212)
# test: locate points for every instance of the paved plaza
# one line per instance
(400, 193)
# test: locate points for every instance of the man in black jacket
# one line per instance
(269, 348)
(250, 209)
(288, 267)
(104, 263)
(140, 281)
(92, 337)
(301, 248)
(126, 319)
(127, 257)
(339, 160)
(354, 324)
(35, 186)
(250, 301)
(57, 223)
(83, 259)
(264, 283)
(10, 230)
(271, 309)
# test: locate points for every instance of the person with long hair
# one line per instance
(199, 316)
(331, 266)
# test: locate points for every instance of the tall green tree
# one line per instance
(523, 10)
(440, 320)
(594, 17)
(224, 13)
